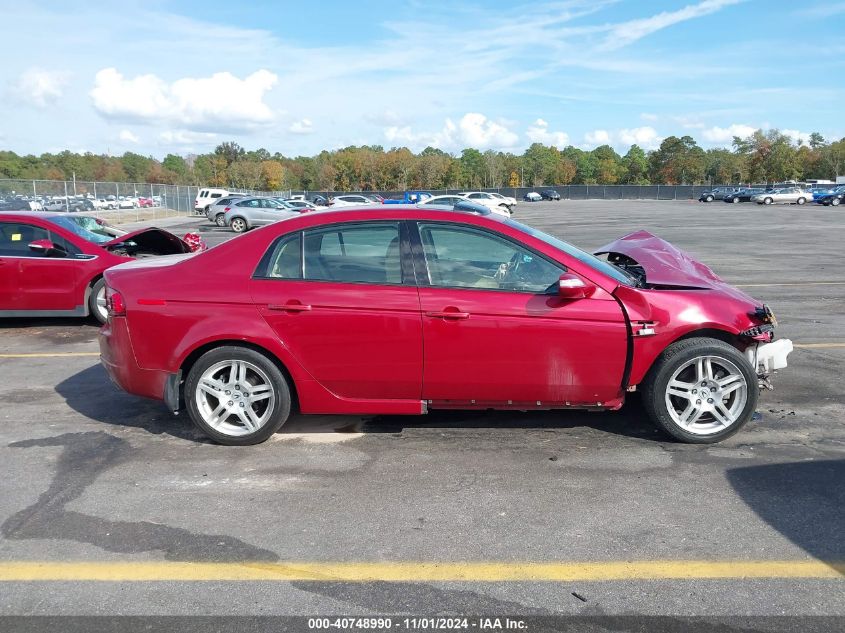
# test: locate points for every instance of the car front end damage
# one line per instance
(765, 354)
(676, 295)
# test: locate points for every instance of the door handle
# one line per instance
(289, 307)
(448, 314)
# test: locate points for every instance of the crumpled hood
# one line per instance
(664, 264)
(161, 241)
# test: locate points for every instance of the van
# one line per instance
(207, 196)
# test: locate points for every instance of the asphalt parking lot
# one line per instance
(484, 513)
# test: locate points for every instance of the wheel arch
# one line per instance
(641, 372)
(88, 288)
(195, 354)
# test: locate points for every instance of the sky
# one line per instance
(160, 76)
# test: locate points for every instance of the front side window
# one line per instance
(464, 257)
(15, 238)
(357, 253)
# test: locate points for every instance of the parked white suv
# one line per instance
(350, 200)
(207, 196)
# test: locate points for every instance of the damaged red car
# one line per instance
(51, 264)
(402, 310)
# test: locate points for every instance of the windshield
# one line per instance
(77, 226)
(602, 266)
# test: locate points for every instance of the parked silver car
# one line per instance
(786, 195)
(247, 213)
(215, 211)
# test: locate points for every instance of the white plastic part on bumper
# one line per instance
(768, 357)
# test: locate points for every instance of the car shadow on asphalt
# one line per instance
(91, 394)
(804, 501)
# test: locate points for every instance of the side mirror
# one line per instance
(573, 287)
(46, 247)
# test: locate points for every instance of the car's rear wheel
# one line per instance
(701, 391)
(220, 219)
(238, 225)
(801, 200)
(237, 396)
(97, 306)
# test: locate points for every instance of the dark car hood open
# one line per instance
(663, 264)
(152, 241)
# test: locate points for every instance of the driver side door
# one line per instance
(496, 333)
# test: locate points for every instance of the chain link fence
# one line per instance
(145, 201)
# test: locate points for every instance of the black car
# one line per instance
(743, 195)
(550, 194)
(319, 200)
(717, 193)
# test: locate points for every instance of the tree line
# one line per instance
(764, 156)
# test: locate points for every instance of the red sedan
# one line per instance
(399, 310)
(51, 264)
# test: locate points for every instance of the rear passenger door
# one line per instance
(342, 298)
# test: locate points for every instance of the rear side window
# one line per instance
(362, 253)
(216, 195)
(283, 260)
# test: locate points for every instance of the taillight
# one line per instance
(226, 209)
(116, 305)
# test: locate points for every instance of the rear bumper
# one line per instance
(118, 359)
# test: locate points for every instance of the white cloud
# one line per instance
(40, 87)
(221, 101)
(646, 137)
(648, 116)
(718, 134)
(303, 126)
(597, 137)
(186, 137)
(628, 32)
(798, 136)
(128, 137)
(539, 133)
(473, 130)
(480, 132)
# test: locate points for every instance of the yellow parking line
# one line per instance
(49, 355)
(818, 345)
(26, 571)
(794, 283)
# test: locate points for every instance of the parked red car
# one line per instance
(51, 264)
(399, 310)
(145, 202)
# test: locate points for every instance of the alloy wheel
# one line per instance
(235, 397)
(706, 395)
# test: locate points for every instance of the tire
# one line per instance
(708, 199)
(237, 421)
(767, 201)
(801, 200)
(835, 202)
(683, 364)
(238, 225)
(97, 301)
(735, 200)
(220, 219)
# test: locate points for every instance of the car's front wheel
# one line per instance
(709, 199)
(238, 225)
(801, 200)
(237, 396)
(700, 391)
(835, 202)
(735, 200)
(768, 201)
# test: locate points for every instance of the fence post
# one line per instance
(34, 192)
(66, 200)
